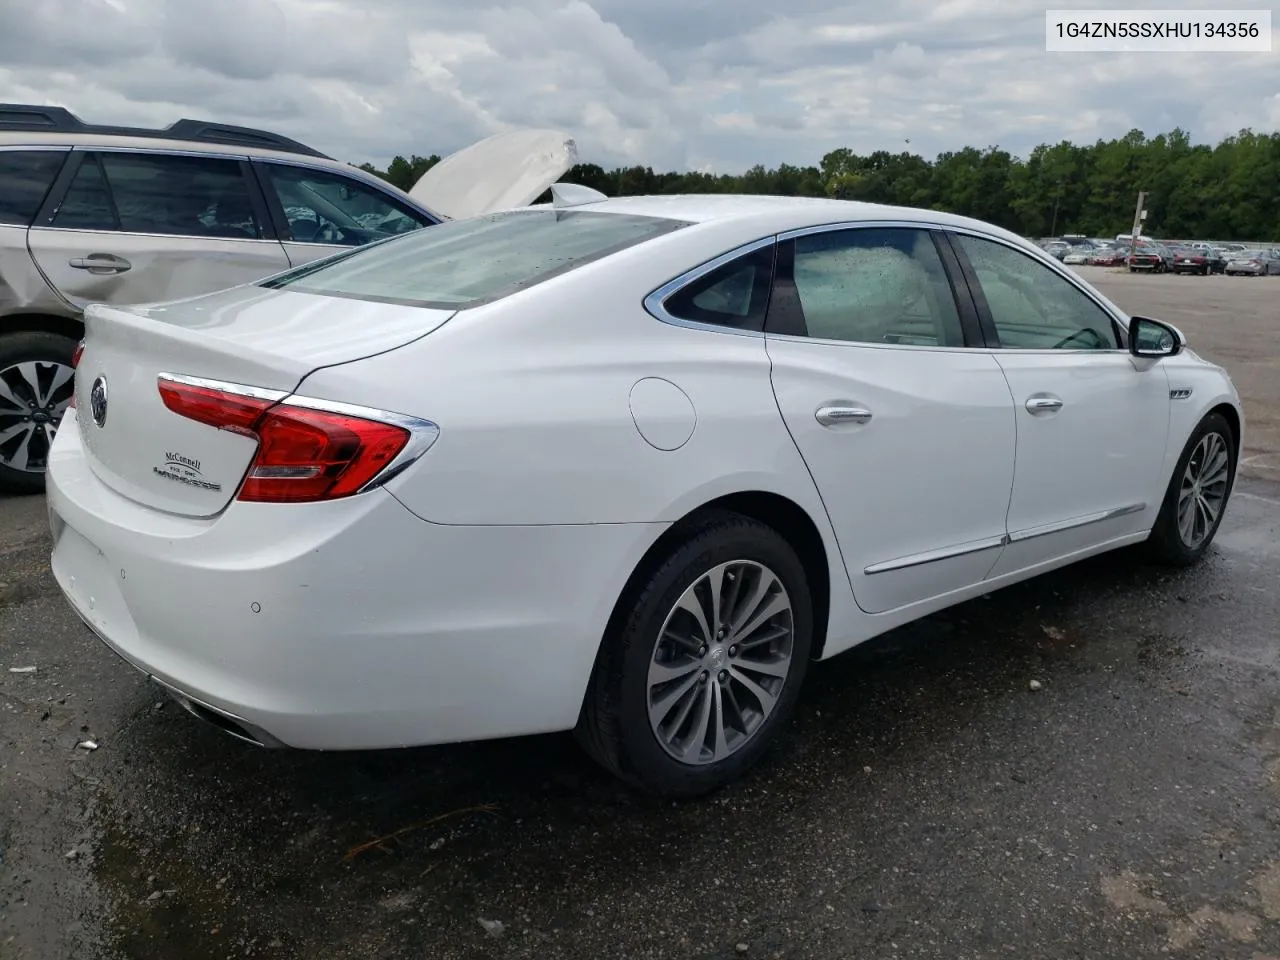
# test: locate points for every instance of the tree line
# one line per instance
(1227, 191)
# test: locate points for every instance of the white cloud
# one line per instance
(667, 83)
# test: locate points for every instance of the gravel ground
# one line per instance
(926, 802)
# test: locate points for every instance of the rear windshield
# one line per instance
(464, 263)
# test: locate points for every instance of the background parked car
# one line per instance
(1147, 258)
(1217, 259)
(1253, 263)
(1108, 256)
(1191, 260)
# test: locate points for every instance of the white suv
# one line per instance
(122, 215)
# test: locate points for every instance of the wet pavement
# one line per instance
(926, 802)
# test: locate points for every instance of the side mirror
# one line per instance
(1153, 338)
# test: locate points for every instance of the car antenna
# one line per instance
(574, 195)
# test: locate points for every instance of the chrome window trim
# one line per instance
(35, 148)
(184, 236)
(422, 433)
(860, 225)
(165, 151)
(655, 302)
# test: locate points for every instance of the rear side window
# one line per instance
(160, 193)
(735, 294)
(25, 177)
(464, 263)
(87, 205)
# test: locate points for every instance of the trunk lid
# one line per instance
(500, 172)
(266, 339)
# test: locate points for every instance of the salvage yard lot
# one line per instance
(925, 802)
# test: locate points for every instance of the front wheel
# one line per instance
(1197, 495)
(704, 660)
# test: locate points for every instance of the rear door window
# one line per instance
(25, 177)
(866, 285)
(161, 194)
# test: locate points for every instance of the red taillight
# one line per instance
(304, 454)
(75, 362)
(218, 408)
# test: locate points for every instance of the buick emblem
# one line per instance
(98, 401)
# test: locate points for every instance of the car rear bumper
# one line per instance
(350, 624)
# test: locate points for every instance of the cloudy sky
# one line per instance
(700, 84)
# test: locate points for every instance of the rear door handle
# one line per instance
(100, 263)
(830, 415)
(1040, 403)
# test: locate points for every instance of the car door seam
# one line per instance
(773, 389)
(1013, 479)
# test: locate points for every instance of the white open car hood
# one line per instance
(500, 172)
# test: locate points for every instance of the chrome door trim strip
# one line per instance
(990, 543)
(932, 556)
(1030, 533)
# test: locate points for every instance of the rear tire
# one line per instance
(657, 670)
(30, 364)
(1197, 496)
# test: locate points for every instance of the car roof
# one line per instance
(773, 213)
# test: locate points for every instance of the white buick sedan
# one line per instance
(620, 466)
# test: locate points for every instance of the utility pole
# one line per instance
(1139, 218)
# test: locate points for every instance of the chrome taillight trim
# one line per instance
(422, 433)
(239, 389)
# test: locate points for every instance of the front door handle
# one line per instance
(100, 263)
(1042, 403)
(831, 415)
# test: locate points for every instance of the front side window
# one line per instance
(160, 193)
(735, 294)
(1032, 307)
(25, 176)
(464, 263)
(322, 207)
(868, 285)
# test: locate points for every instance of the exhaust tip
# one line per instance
(228, 723)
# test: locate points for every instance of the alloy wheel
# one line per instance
(1204, 489)
(33, 396)
(721, 662)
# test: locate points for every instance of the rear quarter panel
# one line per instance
(531, 394)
